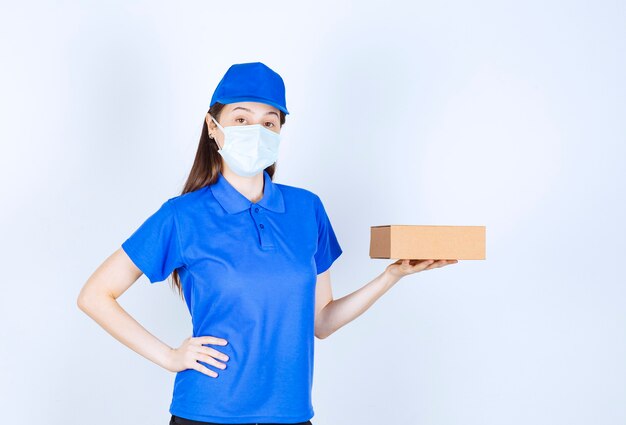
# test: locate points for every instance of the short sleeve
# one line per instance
(328, 248)
(155, 246)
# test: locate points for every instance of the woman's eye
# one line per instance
(242, 120)
(271, 124)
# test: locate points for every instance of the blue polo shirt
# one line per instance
(248, 273)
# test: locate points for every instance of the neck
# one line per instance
(250, 187)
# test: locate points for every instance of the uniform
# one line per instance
(248, 273)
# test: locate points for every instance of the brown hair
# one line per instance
(206, 167)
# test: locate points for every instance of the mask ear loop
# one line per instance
(221, 128)
(218, 124)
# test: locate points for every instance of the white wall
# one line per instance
(504, 114)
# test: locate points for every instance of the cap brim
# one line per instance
(226, 100)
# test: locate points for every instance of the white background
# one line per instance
(506, 114)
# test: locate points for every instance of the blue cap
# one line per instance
(251, 82)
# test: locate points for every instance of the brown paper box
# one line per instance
(424, 242)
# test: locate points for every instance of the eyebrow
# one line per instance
(246, 109)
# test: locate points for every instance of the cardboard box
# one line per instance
(425, 242)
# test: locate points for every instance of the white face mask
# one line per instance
(248, 149)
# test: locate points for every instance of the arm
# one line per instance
(331, 314)
(98, 299)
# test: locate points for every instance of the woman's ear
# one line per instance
(211, 127)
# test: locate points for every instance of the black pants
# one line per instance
(177, 420)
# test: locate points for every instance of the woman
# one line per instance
(251, 259)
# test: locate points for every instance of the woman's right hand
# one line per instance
(191, 350)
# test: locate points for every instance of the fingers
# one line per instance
(207, 355)
(440, 263)
(419, 265)
(413, 266)
(200, 368)
(198, 352)
(209, 340)
(212, 352)
(210, 360)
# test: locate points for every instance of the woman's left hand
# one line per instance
(403, 268)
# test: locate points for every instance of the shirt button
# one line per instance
(261, 226)
(256, 210)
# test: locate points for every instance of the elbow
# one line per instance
(87, 299)
(320, 334)
(323, 329)
(82, 302)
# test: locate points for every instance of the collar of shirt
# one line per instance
(234, 202)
